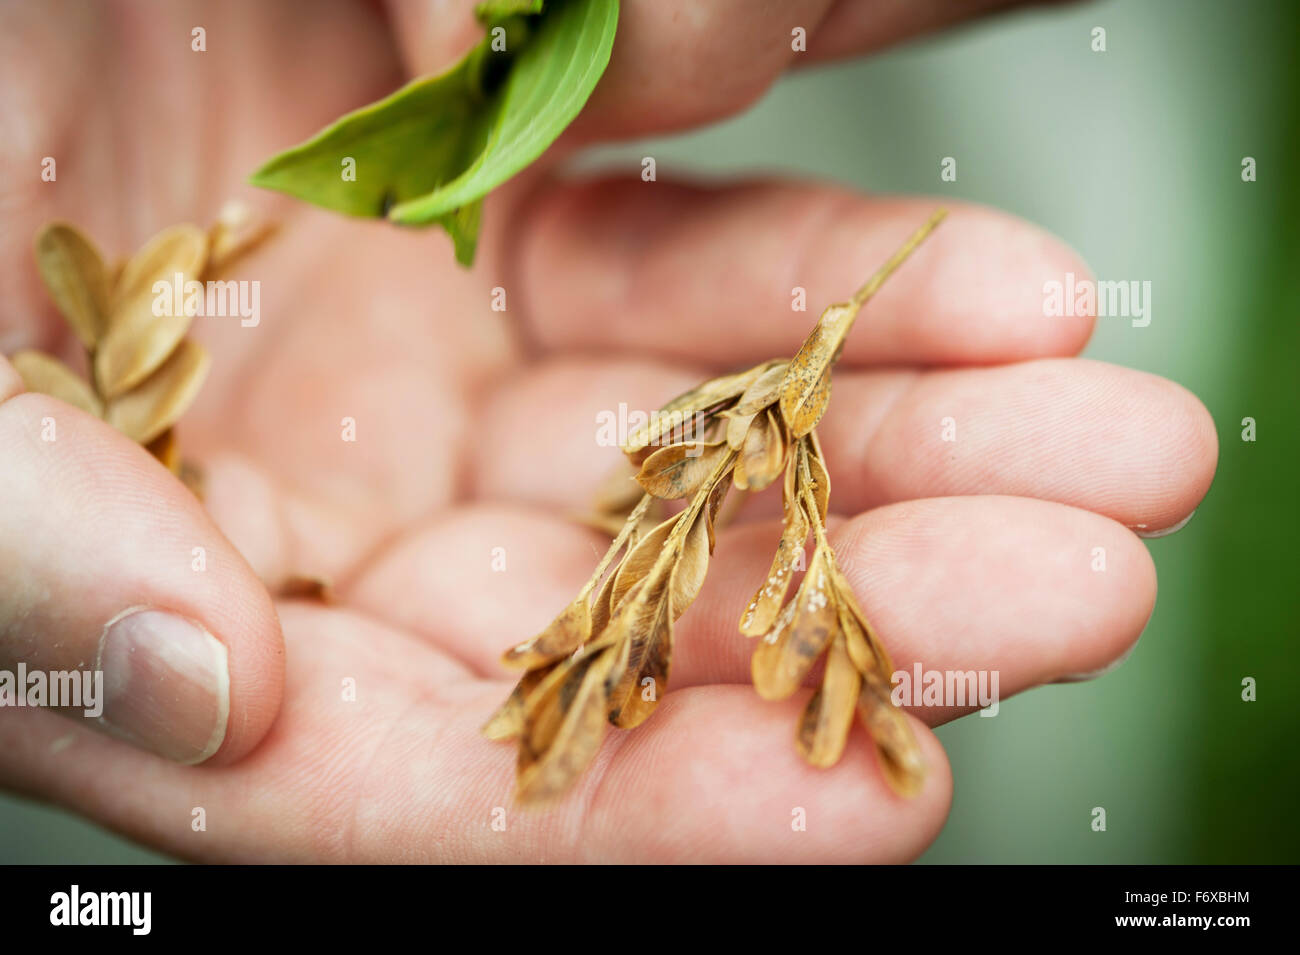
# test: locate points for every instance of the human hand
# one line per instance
(475, 431)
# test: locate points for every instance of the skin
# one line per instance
(474, 431)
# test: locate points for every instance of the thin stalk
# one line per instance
(810, 500)
(633, 519)
(898, 258)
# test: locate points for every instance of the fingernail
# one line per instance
(166, 684)
(1113, 665)
(1110, 667)
(1166, 531)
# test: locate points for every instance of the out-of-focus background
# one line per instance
(1134, 157)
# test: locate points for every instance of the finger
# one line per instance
(1033, 590)
(1028, 590)
(401, 774)
(852, 27)
(713, 776)
(111, 567)
(708, 60)
(721, 764)
(1132, 446)
(711, 275)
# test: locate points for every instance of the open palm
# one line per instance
(352, 732)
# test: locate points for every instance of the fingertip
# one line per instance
(937, 790)
(257, 664)
(1183, 454)
(1127, 562)
(1197, 433)
(1068, 334)
(1138, 574)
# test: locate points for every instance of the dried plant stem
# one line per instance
(687, 518)
(806, 490)
(608, 661)
(633, 520)
(873, 284)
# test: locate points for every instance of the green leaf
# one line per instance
(493, 11)
(549, 82)
(462, 226)
(402, 146)
(430, 152)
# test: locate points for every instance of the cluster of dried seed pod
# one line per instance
(824, 619)
(606, 657)
(142, 371)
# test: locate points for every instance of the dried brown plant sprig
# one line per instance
(143, 371)
(606, 657)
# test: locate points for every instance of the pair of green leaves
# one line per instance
(430, 152)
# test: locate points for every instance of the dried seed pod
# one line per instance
(560, 741)
(699, 400)
(138, 341)
(821, 485)
(738, 427)
(568, 631)
(679, 470)
(716, 499)
(641, 560)
(157, 403)
(46, 374)
(74, 274)
(828, 717)
(236, 232)
(508, 721)
(306, 587)
(763, 455)
(764, 390)
(807, 387)
(603, 606)
(693, 564)
(787, 653)
(167, 450)
(761, 613)
(896, 747)
(864, 645)
(643, 633)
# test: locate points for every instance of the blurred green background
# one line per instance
(1133, 156)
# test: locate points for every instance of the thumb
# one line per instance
(111, 567)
